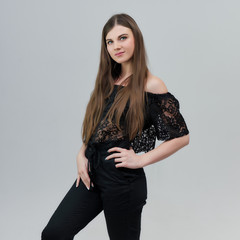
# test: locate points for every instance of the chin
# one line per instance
(122, 60)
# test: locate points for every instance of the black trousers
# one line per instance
(120, 192)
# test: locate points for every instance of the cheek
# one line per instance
(110, 51)
(130, 45)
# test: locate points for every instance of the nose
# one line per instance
(116, 46)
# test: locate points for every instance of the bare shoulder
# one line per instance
(155, 85)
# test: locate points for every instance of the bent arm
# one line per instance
(164, 150)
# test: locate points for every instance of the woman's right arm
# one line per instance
(82, 163)
(82, 150)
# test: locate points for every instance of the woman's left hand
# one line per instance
(126, 158)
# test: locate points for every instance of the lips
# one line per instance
(117, 54)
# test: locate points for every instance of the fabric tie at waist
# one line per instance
(93, 154)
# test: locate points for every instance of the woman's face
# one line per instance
(120, 40)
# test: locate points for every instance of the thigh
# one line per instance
(75, 211)
(123, 193)
(124, 225)
(123, 204)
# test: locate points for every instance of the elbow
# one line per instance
(186, 139)
(182, 141)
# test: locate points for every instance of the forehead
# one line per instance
(118, 30)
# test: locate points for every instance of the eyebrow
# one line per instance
(118, 36)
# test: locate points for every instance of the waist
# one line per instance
(102, 147)
(96, 152)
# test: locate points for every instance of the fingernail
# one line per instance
(87, 188)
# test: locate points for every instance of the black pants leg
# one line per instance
(76, 210)
(120, 192)
(124, 222)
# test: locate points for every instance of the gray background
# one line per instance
(49, 60)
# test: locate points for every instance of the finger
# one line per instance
(78, 180)
(86, 184)
(119, 165)
(114, 149)
(120, 159)
(86, 180)
(114, 155)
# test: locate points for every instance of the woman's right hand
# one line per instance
(82, 164)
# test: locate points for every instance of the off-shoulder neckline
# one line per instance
(150, 93)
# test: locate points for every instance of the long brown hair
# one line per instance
(108, 72)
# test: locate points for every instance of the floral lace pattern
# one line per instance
(164, 122)
(107, 131)
(165, 114)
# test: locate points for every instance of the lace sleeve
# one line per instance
(166, 117)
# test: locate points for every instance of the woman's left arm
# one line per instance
(169, 126)
(169, 123)
(163, 151)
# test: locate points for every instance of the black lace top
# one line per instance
(163, 121)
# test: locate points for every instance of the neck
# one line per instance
(126, 69)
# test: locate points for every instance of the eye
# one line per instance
(120, 38)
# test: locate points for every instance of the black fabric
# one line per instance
(120, 193)
(165, 115)
(164, 121)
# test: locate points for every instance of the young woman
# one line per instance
(128, 109)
